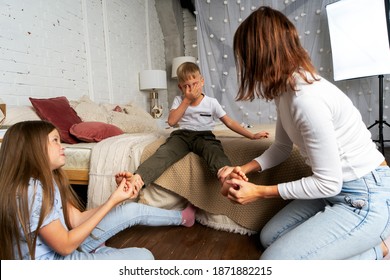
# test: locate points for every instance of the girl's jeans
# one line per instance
(351, 225)
(118, 219)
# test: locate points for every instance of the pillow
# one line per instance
(133, 123)
(89, 111)
(94, 131)
(17, 114)
(57, 111)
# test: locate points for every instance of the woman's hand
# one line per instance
(242, 192)
(229, 172)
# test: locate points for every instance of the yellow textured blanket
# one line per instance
(191, 179)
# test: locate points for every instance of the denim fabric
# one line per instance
(120, 218)
(351, 225)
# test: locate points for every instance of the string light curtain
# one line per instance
(216, 22)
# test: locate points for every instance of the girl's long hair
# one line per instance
(24, 156)
(268, 53)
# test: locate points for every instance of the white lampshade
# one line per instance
(152, 79)
(177, 61)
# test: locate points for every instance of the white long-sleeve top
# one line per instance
(330, 134)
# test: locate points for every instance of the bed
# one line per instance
(94, 164)
(190, 180)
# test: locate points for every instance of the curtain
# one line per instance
(217, 21)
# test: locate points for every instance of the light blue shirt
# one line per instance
(42, 251)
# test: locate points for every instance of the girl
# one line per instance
(342, 211)
(40, 216)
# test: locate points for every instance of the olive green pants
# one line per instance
(179, 144)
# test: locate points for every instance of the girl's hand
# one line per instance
(123, 192)
(260, 135)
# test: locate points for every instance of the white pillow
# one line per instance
(132, 123)
(17, 114)
(89, 111)
(132, 109)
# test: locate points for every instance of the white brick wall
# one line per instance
(50, 48)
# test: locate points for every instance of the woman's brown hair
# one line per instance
(24, 156)
(267, 53)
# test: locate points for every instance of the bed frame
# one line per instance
(77, 176)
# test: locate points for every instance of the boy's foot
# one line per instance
(188, 215)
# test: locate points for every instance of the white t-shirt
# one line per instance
(330, 134)
(201, 117)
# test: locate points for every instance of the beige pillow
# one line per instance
(89, 111)
(132, 123)
(133, 109)
(17, 114)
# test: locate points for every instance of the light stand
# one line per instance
(380, 122)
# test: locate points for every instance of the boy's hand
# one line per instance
(192, 94)
(260, 135)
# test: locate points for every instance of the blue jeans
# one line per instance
(351, 225)
(118, 219)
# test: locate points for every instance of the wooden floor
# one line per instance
(180, 243)
(196, 243)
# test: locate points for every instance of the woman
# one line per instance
(40, 216)
(342, 210)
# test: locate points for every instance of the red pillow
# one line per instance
(94, 131)
(57, 111)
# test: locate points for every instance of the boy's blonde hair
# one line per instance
(186, 71)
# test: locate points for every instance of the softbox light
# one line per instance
(359, 38)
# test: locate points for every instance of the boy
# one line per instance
(194, 112)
